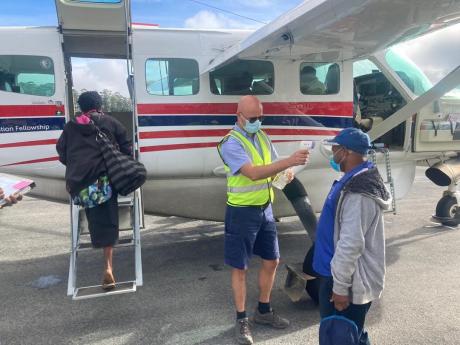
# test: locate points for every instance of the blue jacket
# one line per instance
(324, 245)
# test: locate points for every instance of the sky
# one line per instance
(436, 53)
(167, 13)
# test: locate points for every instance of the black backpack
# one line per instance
(125, 173)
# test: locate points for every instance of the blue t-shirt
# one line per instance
(324, 244)
(234, 154)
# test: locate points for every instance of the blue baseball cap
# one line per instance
(352, 139)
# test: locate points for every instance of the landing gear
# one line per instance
(295, 192)
(447, 174)
(302, 277)
(448, 211)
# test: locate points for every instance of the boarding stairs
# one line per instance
(129, 225)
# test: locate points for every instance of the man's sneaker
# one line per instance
(243, 332)
(271, 319)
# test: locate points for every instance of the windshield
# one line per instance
(409, 72)
(423, 62)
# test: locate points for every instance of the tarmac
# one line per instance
(186, 296)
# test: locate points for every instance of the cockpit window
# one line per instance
(319, 78)
(243, 77)
(364, 67)
(172, 77)
(409, 73)
(374, 100)
(25, 74)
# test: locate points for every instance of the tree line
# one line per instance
(111, 101)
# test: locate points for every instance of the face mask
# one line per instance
(252, 127)
(334, 165)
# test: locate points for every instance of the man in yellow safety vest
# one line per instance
(249, 159)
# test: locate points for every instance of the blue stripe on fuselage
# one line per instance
(228, 120)
(20, 125)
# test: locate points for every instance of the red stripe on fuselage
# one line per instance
(30, 110)
(30, 143)
(270, 108)
(193, 133)
(199, 133)
(176, 147)
(40, 160)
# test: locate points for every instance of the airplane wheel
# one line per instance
(448, 209)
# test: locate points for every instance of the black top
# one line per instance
(81, 154)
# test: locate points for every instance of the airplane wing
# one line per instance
(329, 30)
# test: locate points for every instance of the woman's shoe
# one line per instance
(108, 283)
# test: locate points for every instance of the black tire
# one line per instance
(448, 209)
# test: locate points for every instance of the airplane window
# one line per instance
(364, 67)
(172, 77)
(25, 74)
(375, 94)
(319, 78)
(409, 72)
(375, 99)
(243, 77)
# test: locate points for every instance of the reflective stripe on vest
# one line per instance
(241, 190)
(244, 189)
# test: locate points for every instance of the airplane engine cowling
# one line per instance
(444, 173)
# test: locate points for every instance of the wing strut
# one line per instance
(445, 85)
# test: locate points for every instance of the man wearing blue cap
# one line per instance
(349, 253)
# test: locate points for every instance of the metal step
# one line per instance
(97, 291)
(124, 218)
(123, 242)
(125, 200)
(86, 233)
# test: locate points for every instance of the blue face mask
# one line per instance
(334, 165)
(252, 127)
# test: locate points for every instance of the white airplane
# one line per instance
(185, 85)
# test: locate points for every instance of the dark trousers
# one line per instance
(355, 312)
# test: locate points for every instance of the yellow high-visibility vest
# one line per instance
(241, 190)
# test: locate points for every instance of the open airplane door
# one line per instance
(102, 29)
(95, 28)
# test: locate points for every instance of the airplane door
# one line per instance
(94, 28)
(92, 15)
(32, 98)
